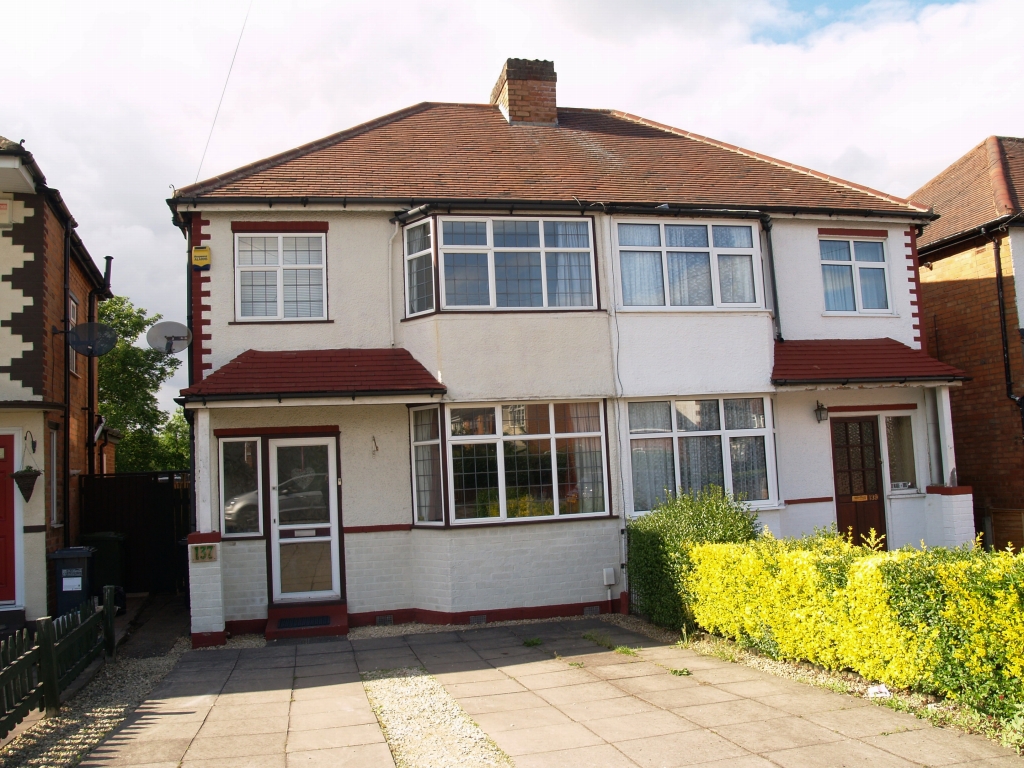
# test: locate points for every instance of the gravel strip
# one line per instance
(238, 641)
(424, 726)
(83, 722)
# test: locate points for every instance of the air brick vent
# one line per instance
(592, 610)
(480, 618)
(385, 621)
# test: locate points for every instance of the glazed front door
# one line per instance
(857, 466)
(7, 591)
(304, 519)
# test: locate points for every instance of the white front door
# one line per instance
(304, 519)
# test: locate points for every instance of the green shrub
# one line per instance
(659, 545)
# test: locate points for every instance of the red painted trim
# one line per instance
(950, 490)
(915, 313)
(377, 528)
(337, 612)
(279, 226)
(870, 408)
(323, 429)
(246, 627)
(854, 232)
(624, 603)
(815, 500)
(423, 616)
(208, 639)
(204, 538)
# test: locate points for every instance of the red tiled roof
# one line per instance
(980, 187)
(470, 152)
(323, 372)
(856, 360)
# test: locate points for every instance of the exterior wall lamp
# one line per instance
(821, 413)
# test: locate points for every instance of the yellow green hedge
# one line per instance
(941, 621)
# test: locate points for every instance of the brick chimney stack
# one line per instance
(525, 92)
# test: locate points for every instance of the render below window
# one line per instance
(684, 446)
(280, 277)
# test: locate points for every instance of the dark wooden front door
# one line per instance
(857, 465)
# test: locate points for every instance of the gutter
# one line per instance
(420, 206)
(279, 396)
(869, 380)
(968, 234)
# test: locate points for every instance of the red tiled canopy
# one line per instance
(317, 373)
(838, 361)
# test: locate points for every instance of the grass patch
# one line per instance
(681, 672)
(577, 664)
(601, 639)
(532, 642)
(625, 650)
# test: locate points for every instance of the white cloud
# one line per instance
(116, 99)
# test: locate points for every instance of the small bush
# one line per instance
(659, 545)
(532, 642)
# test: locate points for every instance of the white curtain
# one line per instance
(736, 278)
(689, 279)
(653, 472)
(642, 282)
(700, 463)
(569, 283)
(838, 281)
(650, 417)
(428, 483)
(749, 470)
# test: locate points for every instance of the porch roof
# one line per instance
(257, 374)
(841, 361)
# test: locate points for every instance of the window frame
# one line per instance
(449, 441)
(853, 264)
(441, 301)
(768, 432)
(413, 444)
(72, 323)
(883, 443)
(407, 257)
(221, 441)
(717, 304)
(279, 268)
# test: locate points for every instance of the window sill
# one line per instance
(859, 314)
(281, 321)
(242, 537)
(695, 310)
(497, 521)
(910, 493)
(505, 311)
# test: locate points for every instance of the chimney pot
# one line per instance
(525, 92)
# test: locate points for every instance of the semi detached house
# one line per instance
(441, 357)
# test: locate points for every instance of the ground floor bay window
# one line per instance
(510, 461)
(686, 445)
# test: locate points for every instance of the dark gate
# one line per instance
(152, 510)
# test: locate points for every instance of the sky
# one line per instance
(116, 100)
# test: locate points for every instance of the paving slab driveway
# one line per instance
(564, 702)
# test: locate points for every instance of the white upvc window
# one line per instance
(419, 268)
(425, 433)
(688, 265)
(241, 487)
(280, 277)
(854, 275)
(516, 461)
(517, 263)
(684, 445)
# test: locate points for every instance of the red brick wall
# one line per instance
(960, 315)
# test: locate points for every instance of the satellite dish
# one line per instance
(169, 337)
(92, 339)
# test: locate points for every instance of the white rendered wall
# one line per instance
(802, 294)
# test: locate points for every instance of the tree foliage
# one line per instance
(129, 379)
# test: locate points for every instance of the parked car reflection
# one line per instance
(301, 500)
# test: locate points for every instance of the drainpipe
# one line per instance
(67, 387)
(1007, 372)
(766, 224)
(391, 297)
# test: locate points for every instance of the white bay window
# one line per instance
(525, 460)
(503, 264)
(683, 446)
(280, 277)
(688, 266)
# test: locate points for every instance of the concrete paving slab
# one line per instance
(603, 755)
(361, 756)
(641, 725)
(678, 749)
(545, 738)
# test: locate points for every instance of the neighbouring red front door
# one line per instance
(6, 518)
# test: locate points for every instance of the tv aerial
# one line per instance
(92, 339)
(169, 337)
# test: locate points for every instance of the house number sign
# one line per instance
(204, 553)
(865, 497)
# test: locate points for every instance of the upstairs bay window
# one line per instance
(688, 266)
(686, 445)
(854, 276)
(280, 277)
(525, 460)
(419, 269)
(508, 264)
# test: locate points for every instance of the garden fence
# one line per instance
(33, 673)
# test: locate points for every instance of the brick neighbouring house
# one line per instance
(440, 357)
(969, 323)
(39, 251)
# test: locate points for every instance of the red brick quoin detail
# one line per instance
(915, 291)
(200, 291)
(204, 538)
